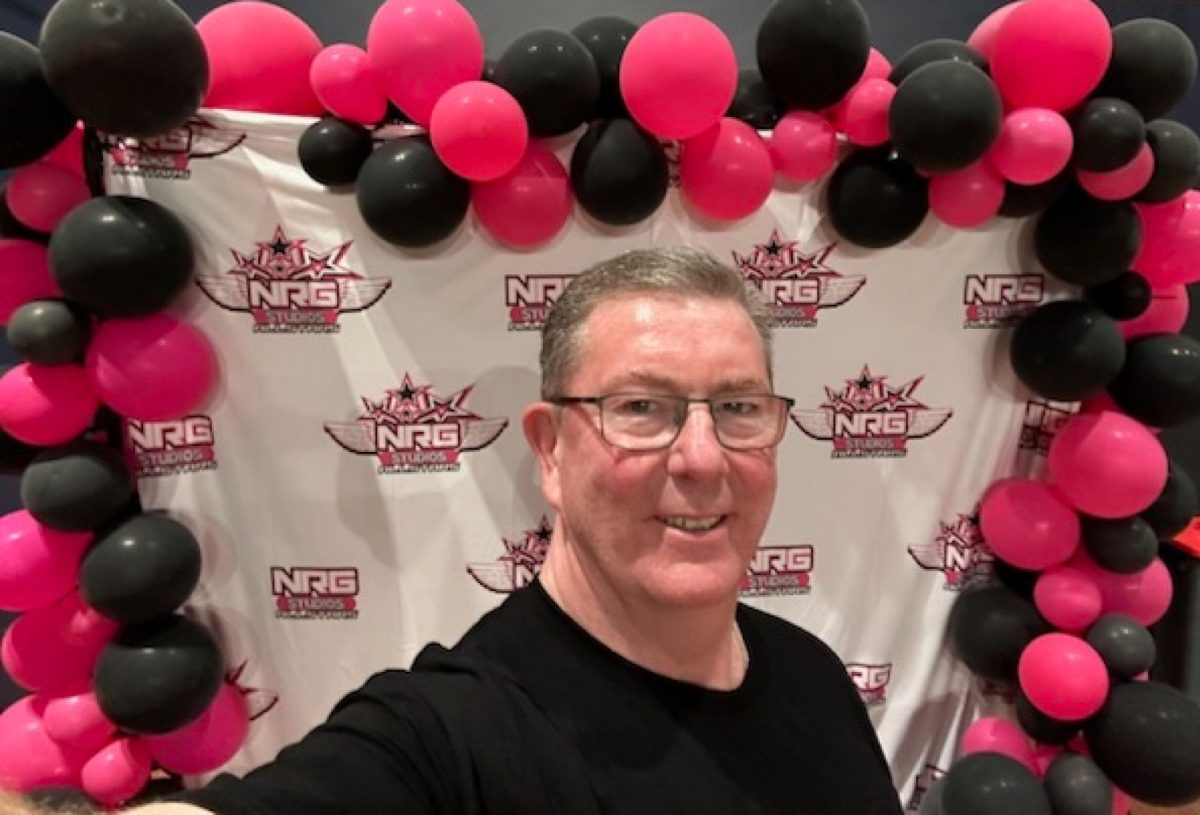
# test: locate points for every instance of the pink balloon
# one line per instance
(479, 130)
(863, 114)
(1144, 595)
(1026, 524)
(81, 625)
(803, 146)
(259, 56)
(1063, 676)
(726, 171)
(75, 721)
(1121, 802)
(1170, 252)
(46, 405)
(967, 197)
(69, 152)
(878, 66)
(1034, 145)
(37, 655)
(41, 194)
(678, 75)
(151, 368)
(24, 275)
(38, 565)
(1167, 314)
(422, 49)
(1107, 464)
(529, 205)
(992, 734)
(1124, 182)
(1051, 53)
(118, 772)
(208, 742)
(29, 758)
(1068, 598)
(983, 38)
(348, 84)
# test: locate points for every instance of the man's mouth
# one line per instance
(691, 524)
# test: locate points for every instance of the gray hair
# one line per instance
(684, 271)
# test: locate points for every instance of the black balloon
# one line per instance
(1084, 241)
(992, 784)
(1121, 545)
(1176, 161)
(1108, 134)
(619, 172)
(924, 53)
(1160, 383)
(1175, 507)
(121, 256)
(945, 116)
(1040, 727)
(1146, 738)
(32, 119)
(1020, 582)
(1076, 786)
(755, 103)
(49, 332)
(333, 151)
(408, 197)
(1153, 65)
(77, 487)
(990, 627)
(875, 199)
(134, 67)
(156, 677)
(1125, 645)
(1021, 201)
(1124, 297)
(605, 39)
(811, 52)
(1067, 350)
(554, 78)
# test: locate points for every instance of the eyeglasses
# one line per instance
(641, 422)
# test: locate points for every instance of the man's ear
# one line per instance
(539, 421)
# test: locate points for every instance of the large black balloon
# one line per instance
(1160, 383)
(1040, 727)
(754, 102)
(619, 172)
(49, 332)
(990, 627)
(1126, 296)
(1076, 786)
(134, 67)
(156, 677)
(332, 151)
(1084, 241)
(605, 39)
(875, 199)
(945, 116)
(1125, 645)
(554, 78)
(924, 53)
(1175, 507)
(811, 52)
(408, 197)
(1176, 161)
(1021, 201)
(76, 487)
(1153, 65)
(122, 256)
(1067, 350)
(1109, 132)
(1146, 738)
(32, 119)
(1121, 545)
(992, 784)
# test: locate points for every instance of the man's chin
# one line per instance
(692, 585)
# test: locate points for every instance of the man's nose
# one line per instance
(697, 449)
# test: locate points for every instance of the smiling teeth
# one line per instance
(693, 524)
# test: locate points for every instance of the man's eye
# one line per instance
(739, 407)
(638, 407)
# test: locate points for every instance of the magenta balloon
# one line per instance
(29, 758)
(75, 721)
(529, 205)
(24, 275)
(259, 55)
(803, 146)
(1063, 676)
(1170, 252)
(422, 49)
(118, 772)
(968, 197)
(863, 114)
(878, 66)
(348, 84)
(1034, 145)
(1068, 598)
(81, 625)
(151, 368)
(479, 130)
(678, 75)
(37, 655)
(1144, 595)
(726, 172)
(1121, 183)
(1167, 314)
(992, 734)
(983, 38)
(208, 742)
(1027, 524)
(40, 195)
(1050, 53)
(68, 154)
(38, 565)
(46, 405)
(1107, 464)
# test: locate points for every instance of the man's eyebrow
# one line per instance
(657, 381)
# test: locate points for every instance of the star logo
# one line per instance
(958, 552)
(795, 284)
(168, 157)
(519, 565)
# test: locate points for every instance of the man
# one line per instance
(626, 679)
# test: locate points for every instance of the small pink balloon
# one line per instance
(208, 742)
(1167, 314)
(678, 75)
(348, 84)
(1068, 598)
(1027, 524)
(1121, 183)
(726, 172)
(992, 734)
(529, 205)
(968, 197)
(24, 275)
(1063, 676)
(69, 152)
(30, 758)
(151, 368)
(423, 48)
(118, 772)
(75, 720)
(1107, 464)
(38, 565)
(863, 114)
(1171, 241)
(878, 66)
(37, 655)
(803, 146)
(983, 38)
(1044, 756)
(479, 130)
(41, 194)
(81, 625)
(1034, 145)
(46, 405)
(1144, 595)
(1121, 802)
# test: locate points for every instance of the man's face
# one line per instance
(622, 511)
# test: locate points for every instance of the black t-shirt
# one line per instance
(530, 714)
